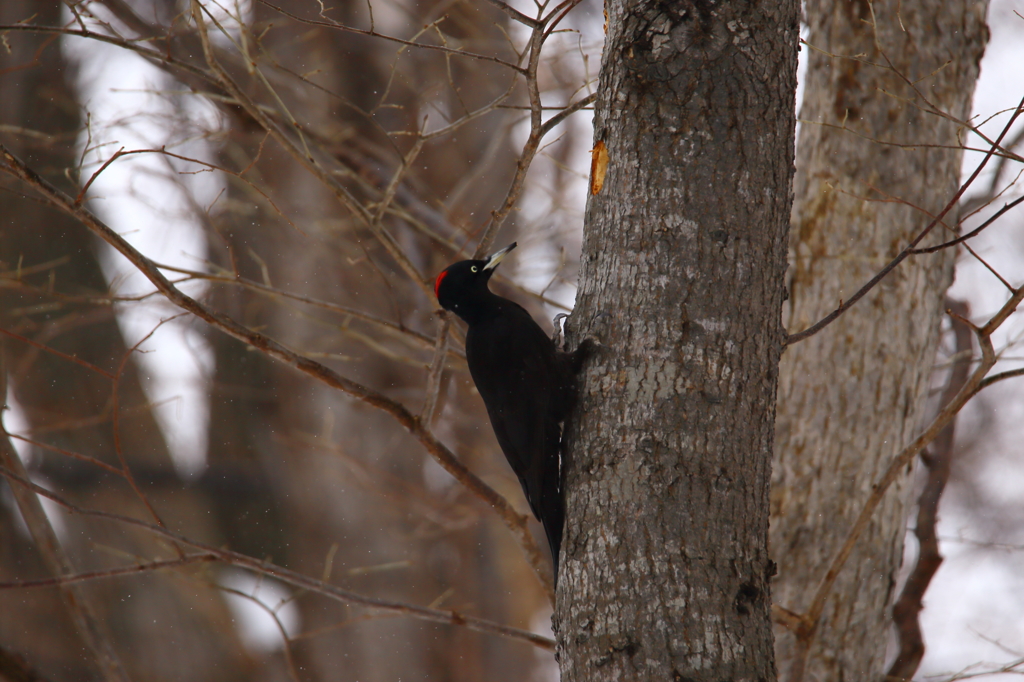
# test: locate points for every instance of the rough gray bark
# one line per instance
(851, 396)
(665, 568)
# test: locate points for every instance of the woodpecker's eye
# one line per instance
(473, 268)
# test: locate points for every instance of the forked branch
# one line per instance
(517, 523)
(809, 621)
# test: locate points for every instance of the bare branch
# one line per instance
(293, 578)
(433, 388)
(529, 149)
(811, 619)
(343, 195)
(517, 523)
(90, 628)
(88, 576)
(910, 602)
(397, 329)
(374, 34)
(154, 56)
(88, 365)
(846, 305)
(973, 233)
(516, 14)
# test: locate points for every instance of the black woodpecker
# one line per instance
(528, 385)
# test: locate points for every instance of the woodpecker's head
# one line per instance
(461, 287)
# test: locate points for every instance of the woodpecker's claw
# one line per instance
(558, 337)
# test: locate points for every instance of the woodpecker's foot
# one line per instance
(558, 337)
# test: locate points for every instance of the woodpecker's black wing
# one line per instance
(528, 387)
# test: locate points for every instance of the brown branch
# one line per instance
(909, 605)
(555, 16)
(115, 413)
(374, 34)
(286, 641)
(568, 111)
(896, 200)
(295, 579)
(1002, 154)
(812, 618)
(516, 523)
(493, 105)
(69, 453)
(433, 388)
(846, 305)
(515, 14)
(302, 156)
(997, 173)
(525, 159)
(1010, 374)
(151, 34)
(537, 131)
(92, 178)
(199, 162)
(72, 578)
(126, 15)
(154, 56)
(82, 613)
(165, 59)
(396, 328)
(933, 109)
(54, 351)
(973, 233)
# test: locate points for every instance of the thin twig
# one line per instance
(70, 453)
(1002, 376)
(812, 618)
(382, 36)
(286, 641)
(516, 14)
(433, 388)
(341, 193)
(152, 55)
(164, 152)
(937, 460)
(973, 233)
(83, 614)
(529, 149)
(265, 568)
(516, 523)
(115, 412)
(88, 365)
(422, 340)
(846, 305)
(88, 576)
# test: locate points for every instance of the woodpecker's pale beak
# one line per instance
(497, 257)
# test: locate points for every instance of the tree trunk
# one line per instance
(852, 396)
(665, 568)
